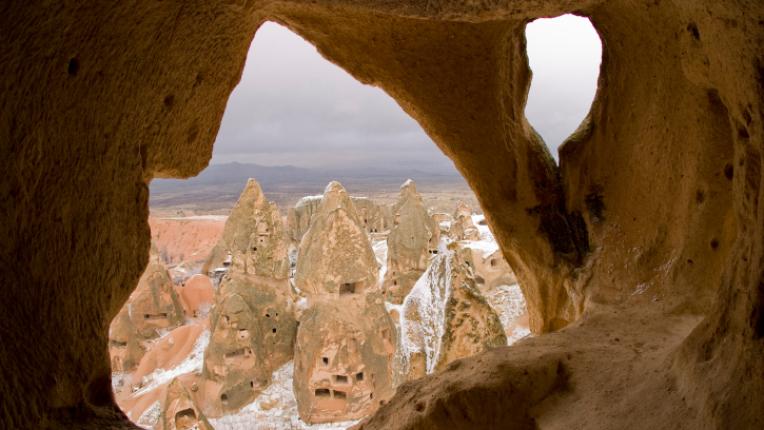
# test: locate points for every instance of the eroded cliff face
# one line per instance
(643, 249)
(445, 317)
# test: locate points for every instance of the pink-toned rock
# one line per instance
(196, 295)
(186, 241)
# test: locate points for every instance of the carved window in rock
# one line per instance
(348, 287)
(185, 419)
(159, 316)
(339, 394)
(359, 376)
(322, 392)
(341, 379)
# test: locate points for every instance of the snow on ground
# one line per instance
(192, 363)
(274, 408)
(487, 242)
(380, 252)
(482, 225)
(509, 303)
(487, 247)
(428, 296)
(150, 417)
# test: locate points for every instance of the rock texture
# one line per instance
(335, 256)
(344, 359)
(641, 254)
(462, 227)
(374, 217)
(300, 216)
(125, 349)
(346, 342)
(446, 317)
(186, 241)
(196, 295)
(180, 411)
(154, 306)
(413, 238)
(253, 333)
(253, 237)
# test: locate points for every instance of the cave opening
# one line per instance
(564, 54)
(279, 120)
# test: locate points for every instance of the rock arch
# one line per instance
(646, 242)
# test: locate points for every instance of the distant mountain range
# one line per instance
(222, 183)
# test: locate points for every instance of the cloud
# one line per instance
(294, 107)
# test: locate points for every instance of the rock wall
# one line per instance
(643, 248)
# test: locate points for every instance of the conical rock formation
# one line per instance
(335, 256)
(253, 332)
(446, 318)
(344, 359)
(180, 411)
(154, 306)
(412, 240)
(253, 237)
(462, 227)
(124, 348)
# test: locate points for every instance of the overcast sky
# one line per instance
(294, 107)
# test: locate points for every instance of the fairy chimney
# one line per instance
(335, 256)
(154, 306)
(412, 240)
(254, 239)
(446, 317)
(462, 227)
(180, 411)
(253, 332)
(125, 349)
(299, 217)
(344, 359)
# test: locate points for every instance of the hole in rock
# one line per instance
(294, 124)
(348, 288)
(564, 54)
(185, 419)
